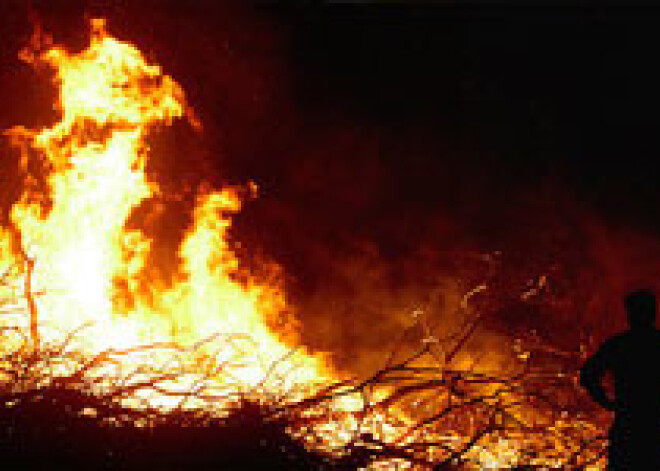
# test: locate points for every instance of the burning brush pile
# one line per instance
(110, 362)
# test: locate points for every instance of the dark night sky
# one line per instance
(533, 91)
(411, 133)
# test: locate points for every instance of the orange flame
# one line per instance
(76, 229)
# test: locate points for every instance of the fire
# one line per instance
(73, 226)
(86, 264)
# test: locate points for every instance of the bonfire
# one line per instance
(111, 361)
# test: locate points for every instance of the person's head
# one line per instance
(640, 308)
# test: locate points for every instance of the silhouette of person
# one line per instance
(633, 359)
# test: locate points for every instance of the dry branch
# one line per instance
(444, 417)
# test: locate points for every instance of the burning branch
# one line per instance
(32, 306)
(441, 417)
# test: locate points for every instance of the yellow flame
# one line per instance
(75, 225)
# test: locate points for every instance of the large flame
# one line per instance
(73, 224)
